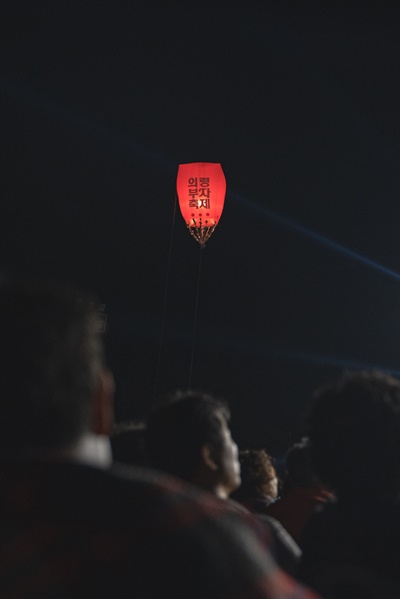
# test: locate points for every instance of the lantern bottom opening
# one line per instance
(202, 234)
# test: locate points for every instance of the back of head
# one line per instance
(179, 426)
(50, 357)
(354, 430)
(257, 473)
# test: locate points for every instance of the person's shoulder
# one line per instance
(163, 496)
(147, 532)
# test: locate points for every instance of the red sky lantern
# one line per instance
(201, 188)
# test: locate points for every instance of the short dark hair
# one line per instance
(50, 357)
(179, 426)
(354, 430)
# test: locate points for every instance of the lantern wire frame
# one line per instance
(200, 233)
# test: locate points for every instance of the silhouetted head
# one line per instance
(258, 475)
(354, 430)
(188, 436)
(51, 363)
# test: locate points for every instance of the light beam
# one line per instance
(302, 230)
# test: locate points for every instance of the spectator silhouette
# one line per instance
(259, 486)
(73, 526)
(302, 493)
(353, 544)
(188, 435)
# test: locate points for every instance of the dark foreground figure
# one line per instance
(71, 525)
(188, 436)
(351, 548)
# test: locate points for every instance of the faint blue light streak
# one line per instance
(114, 134)
(302, 230)
(333, 361)
(260, 347)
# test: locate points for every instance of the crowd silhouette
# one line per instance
(170, 507)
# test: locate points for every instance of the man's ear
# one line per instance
(102, 404)
(207, 456)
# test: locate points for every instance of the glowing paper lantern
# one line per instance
(201, 188)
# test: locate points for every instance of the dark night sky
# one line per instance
(299, 102)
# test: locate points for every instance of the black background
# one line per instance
(299, 102)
